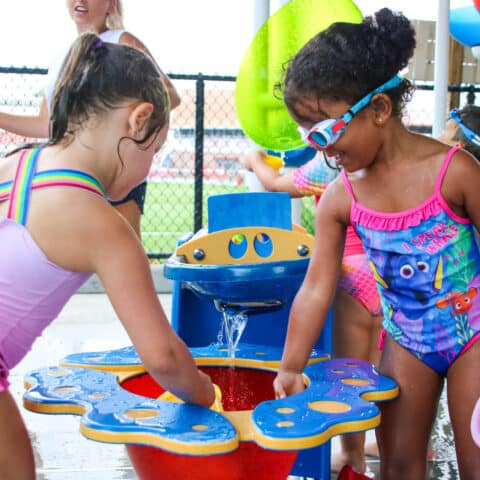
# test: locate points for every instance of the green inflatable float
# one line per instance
(264, 118)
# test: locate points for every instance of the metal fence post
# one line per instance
(199, 134)
(471, 95)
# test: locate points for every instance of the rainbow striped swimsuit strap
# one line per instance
(20, 190)
(26, 179)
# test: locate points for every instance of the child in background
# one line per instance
(415, 205)
(110, 113)
(357, 320)
(105, 18)
(463, 129)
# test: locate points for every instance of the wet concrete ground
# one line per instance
(88, 323)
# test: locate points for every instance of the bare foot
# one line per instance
(340, 459)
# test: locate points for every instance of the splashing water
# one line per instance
(234, 323)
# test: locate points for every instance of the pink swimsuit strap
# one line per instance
(400, 220)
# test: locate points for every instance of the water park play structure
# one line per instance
(243, 269)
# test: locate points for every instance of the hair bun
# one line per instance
(393, 36)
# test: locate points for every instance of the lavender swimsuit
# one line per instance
(33, 290)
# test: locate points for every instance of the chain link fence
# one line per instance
(201, 156)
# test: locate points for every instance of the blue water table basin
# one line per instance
(252, 435)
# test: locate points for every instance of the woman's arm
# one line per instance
(31, 126)
(129, 39)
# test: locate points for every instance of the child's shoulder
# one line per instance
(463, 166)
(8, 166)
(428, 153)
(336, 198)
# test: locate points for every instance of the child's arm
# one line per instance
(461, 186)
(31, 126)
(309, 179)
(472, 195)
(271, 179)
(128, 282)
(100, 240)
(129, 39)
(313, 300)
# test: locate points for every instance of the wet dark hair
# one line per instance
(349, 60)
(97, 77)
(470, 116)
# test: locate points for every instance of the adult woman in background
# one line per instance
(104, 18)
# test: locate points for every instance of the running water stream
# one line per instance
(232, 327)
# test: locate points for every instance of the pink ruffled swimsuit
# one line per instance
(356, 277)
(33, 290)
(426, 262)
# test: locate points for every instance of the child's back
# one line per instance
(34, 289)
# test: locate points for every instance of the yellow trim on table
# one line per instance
(133, 368)
(60, 408)
(315, 440)
(242, 421)
(200, 448)
(381, 396)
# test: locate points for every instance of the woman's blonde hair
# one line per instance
(115, 19)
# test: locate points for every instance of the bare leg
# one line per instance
(463, 390)
(407, 421)
(130, 211)
(371, 448)
(16, 455)
(355, 335)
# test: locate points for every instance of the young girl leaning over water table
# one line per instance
(357, 320)
(109, 116)
(414, 202)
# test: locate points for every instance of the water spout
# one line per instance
(249, 307)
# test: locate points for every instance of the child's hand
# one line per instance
(287, 383)
(209, 390)
(217, 405)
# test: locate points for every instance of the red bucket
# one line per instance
(242, 389)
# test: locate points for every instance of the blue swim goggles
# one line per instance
(325, 133)
(470, 134)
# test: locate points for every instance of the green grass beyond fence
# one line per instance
(169, 213)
